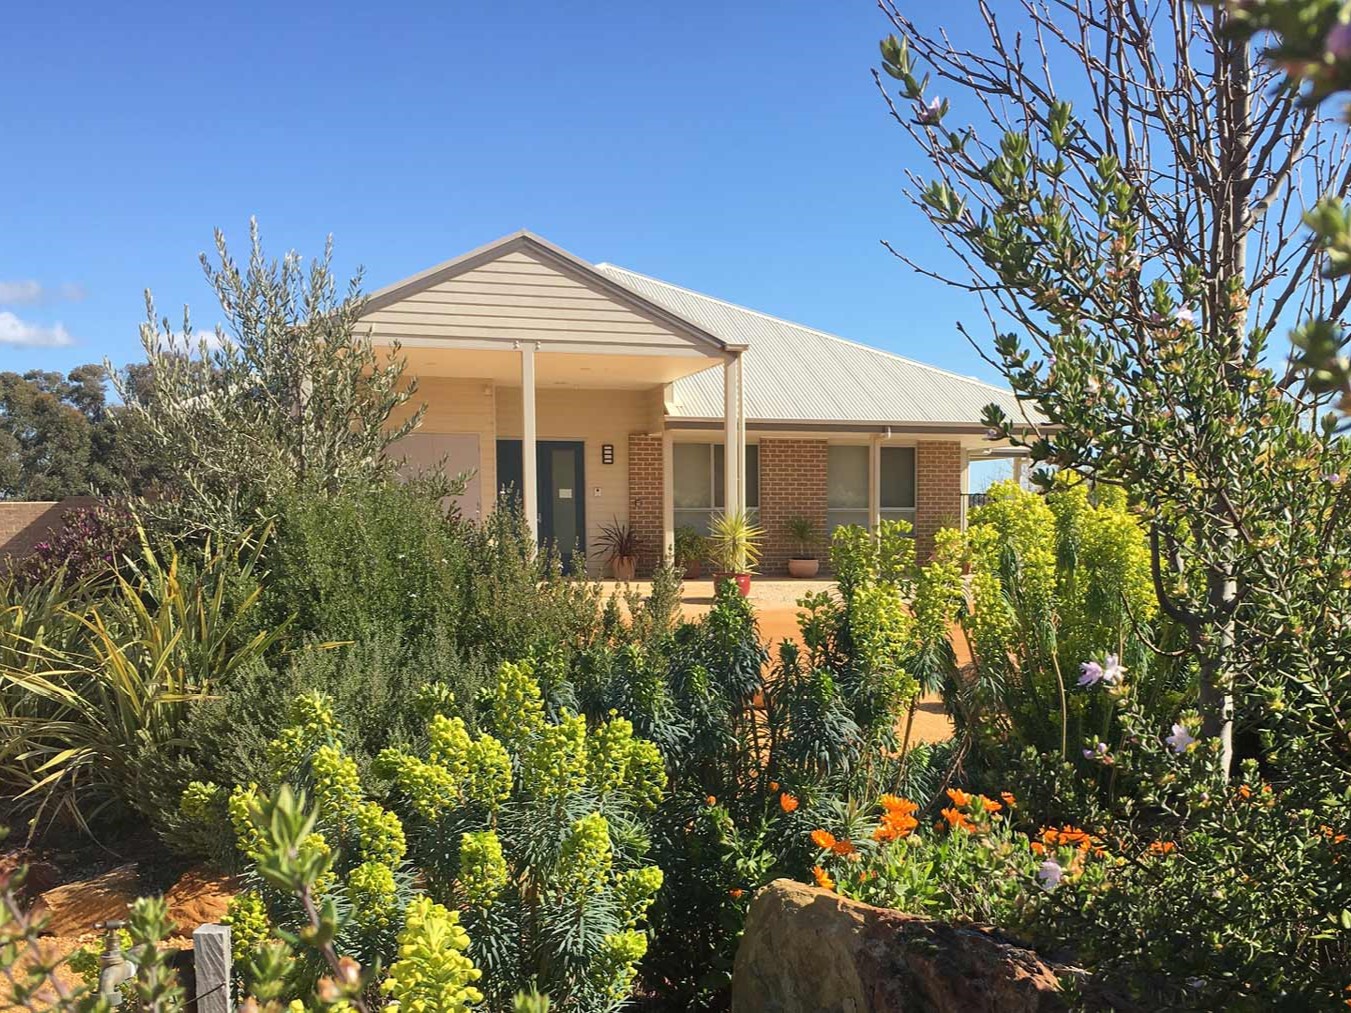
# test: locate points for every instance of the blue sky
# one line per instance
(738, 149)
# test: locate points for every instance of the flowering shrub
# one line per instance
(970, 864)
(86, 546)
(533, 834)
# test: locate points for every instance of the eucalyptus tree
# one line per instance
(1124, 197)
(287, 395)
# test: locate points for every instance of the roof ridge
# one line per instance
(815, 330)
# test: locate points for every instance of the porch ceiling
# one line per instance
(555, 369)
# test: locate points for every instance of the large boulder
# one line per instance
(813, 951)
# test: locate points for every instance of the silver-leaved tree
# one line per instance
(1124, 195)
(287, 395)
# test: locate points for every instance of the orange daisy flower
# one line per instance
(843, 848)
(895, 805)
(958, 820)
(773, 785)
(1009, 799)
(822, 878)
(990, 805)
(959, 798)
(788, 803)
(1162, 847)
(712, 800)
(823, 839)
(735, 893)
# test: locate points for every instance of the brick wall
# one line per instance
(645, 493)
(792, 483)
(24, 523)
(938, 492)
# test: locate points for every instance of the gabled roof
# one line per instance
(558, 259)
(793, 373)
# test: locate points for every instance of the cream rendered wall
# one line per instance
(596, 417)
(462, 406)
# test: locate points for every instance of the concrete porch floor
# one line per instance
(775, 600)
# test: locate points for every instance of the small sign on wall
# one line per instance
(607, 453)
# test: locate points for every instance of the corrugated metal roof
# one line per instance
(794, 373)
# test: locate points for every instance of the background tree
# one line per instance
(1145, 250)
(287, 396)
(60, 437)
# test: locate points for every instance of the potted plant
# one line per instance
(805, 536)
(691, 548)
(619, 542)
(734, 548)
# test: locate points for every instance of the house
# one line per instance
(600, 393)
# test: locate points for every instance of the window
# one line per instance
(898, 483)
(700, 482)
(846, 486)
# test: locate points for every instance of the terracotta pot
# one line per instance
(624, 567)
(743, 581)
(803, 567)
(693, 570)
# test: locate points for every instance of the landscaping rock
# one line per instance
(807, 949)
(72, 908)
(200, 897)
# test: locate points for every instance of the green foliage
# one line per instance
(690, 546)
(1056, 581)
(59, 437)
(289, 396)
(805, 535)
(432, 972)
(734, 542)
(78, 704)
(533, 833)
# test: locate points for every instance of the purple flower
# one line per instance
(1049, 874)
(1333, 478)
(993, 434)
(1180, 739)
(1339, 41)
(1090, 673)
(1098, 752)
(1109, 670)
(931, 113)
(1184, 315)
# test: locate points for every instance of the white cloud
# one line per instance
(28, 292)
(14, 331)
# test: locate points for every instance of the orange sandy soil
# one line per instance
(775, 602)
(69, 912)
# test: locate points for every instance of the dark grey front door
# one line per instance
(559, 469)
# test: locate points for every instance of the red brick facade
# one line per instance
(938, 492)
(792, 484)
(645, 496)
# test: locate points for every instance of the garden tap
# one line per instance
(114, 967)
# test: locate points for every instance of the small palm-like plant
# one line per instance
(619, 542)
(805, 536)
(734, 544)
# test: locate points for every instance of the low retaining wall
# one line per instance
(25, 523)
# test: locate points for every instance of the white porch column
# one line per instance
(731, 407)
(875, 484)
(966, 485)
(529, 480)
(1018, 470)
(667, 498)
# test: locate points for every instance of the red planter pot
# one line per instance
(743, 581)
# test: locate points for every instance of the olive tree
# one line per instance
(287, 394)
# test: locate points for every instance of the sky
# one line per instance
(739, 149)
